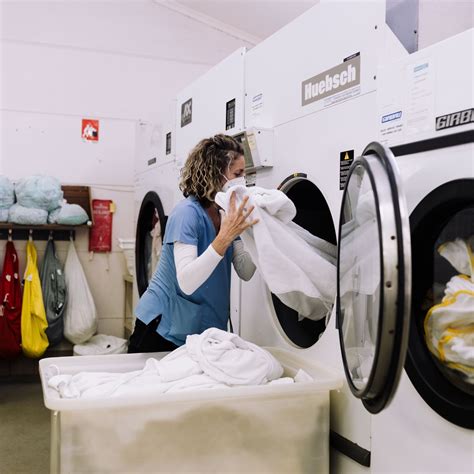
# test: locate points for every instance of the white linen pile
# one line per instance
(213, 359)
(449, 326)
(298, 267)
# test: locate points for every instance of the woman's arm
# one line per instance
(192, 271)
(242, 261)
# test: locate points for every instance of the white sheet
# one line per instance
(298, 267)
(449, 326)
(213, 359)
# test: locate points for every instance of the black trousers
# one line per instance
(146, 339)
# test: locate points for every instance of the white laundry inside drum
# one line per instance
(449, 325)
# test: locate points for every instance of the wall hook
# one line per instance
(50, 237)
(10, 235)
(30, 237)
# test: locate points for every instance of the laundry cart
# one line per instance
(269, 428)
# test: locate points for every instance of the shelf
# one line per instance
(40, 232)
(80, 195)
(48, 227)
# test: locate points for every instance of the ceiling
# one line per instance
(259, 19)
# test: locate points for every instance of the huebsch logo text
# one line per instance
(330, 82)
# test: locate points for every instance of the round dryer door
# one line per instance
(373, 271)
(150, 231)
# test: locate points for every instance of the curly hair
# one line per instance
(208, 161)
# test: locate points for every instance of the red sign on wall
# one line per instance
(90, 130)
(100, 238)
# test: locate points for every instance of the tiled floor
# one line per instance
(24, 429)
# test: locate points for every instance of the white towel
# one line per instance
(297, 267)
(460, 254)
(448, 327)
(213, 359)
(229, 359)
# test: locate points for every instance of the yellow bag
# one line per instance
(34, 341)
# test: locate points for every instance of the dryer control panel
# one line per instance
(258, 147)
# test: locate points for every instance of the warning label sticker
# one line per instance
(345, 161)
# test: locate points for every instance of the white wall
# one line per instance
(119, 62)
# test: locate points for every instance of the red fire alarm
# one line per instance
(90, 130)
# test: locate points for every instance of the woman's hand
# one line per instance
(233, 223)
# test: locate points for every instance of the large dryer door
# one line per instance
(150, 231)
(374, 277)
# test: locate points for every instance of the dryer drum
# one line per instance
(150, 216)
(443, 215)
(313, 214)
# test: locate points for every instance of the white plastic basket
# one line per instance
(275, 428)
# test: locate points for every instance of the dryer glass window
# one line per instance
(360, 276)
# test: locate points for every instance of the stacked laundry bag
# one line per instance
(55, 301)
(37, 200)
(7, 197)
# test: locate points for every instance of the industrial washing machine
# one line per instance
(425, 104)
(316, 136)
(314, 141)
(156, 193)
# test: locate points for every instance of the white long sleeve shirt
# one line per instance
(192, 271)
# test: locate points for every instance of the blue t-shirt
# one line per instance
(209, 305)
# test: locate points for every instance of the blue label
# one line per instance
(390, 117)
(420, 67)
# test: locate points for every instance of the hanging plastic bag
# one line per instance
(33, 316)
(53, 284)
(80, 316)
(10, 308)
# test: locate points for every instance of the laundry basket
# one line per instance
(264, 429)
(101, 344)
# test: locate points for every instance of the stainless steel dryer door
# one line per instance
(374, 277)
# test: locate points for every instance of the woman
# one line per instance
(190, 290)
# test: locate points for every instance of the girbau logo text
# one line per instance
(455, 119)
(334, 80)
